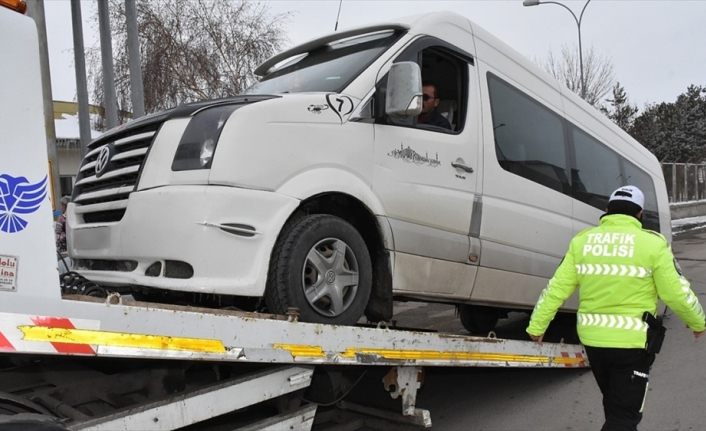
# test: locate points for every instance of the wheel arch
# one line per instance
(322, 180)
(376, 233)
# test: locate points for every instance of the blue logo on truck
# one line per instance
(19, 197)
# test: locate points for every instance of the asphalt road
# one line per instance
(566, 399)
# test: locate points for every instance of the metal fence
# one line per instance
(685, 181)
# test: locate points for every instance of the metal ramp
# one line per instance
(119, 328)
(216, 400)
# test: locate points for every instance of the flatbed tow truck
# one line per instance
(69, 360)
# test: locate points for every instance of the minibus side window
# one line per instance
(596, 173)
(448, 75)
(446, 68)
(529, 138)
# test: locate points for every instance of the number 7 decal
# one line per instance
(341, 105)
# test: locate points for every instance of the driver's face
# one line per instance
(430, 101)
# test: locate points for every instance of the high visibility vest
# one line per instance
(620, 270)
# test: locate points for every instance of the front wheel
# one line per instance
(321, 266)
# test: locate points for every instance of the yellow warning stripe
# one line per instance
(120, 339)
(298, 350)
(302, 350)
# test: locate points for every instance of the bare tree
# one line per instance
(190, 49)
(597, 71)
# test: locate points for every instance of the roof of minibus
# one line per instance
(420, 24)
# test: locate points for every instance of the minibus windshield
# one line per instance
(328, 68)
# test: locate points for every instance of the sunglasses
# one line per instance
(427, 97)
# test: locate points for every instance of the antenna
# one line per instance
(340, 3)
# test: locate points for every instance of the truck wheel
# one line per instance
(477, 319)
(320, 265)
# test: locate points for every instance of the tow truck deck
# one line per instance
(120, 327)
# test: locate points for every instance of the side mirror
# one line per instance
(403, 97)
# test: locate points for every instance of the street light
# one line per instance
(578, 24)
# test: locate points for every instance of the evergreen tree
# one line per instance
(619, 109)
(675, 132)
(691, 107)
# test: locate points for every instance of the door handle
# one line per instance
(461, 164)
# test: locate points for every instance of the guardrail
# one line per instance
(685, 181)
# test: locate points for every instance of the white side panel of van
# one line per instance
(448, 280)
(526, 227)
(521, 289)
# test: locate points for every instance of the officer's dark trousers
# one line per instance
(622, 376)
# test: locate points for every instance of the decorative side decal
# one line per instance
(411, 156)
(19, 196)
(341, 105)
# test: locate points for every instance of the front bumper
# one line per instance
(225, 234)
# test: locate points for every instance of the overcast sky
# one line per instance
(656, 47)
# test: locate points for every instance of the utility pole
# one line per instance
(110, 102)
(35, 9)
(578, 20)
(84, 123)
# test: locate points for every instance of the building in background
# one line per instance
(68, 142)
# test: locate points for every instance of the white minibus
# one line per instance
(421, 159)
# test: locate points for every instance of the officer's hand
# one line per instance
(699, 334)
(537, 338)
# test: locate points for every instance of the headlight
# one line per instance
(198, 144)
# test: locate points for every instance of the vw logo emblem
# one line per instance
(103, 160)
(330, 276)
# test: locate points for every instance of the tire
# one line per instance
(478, 319)
(320, 265)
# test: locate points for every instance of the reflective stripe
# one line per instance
(120, 339)
(611, 321)
(63, 323)
(302, 351)
(5, 345)
(644, 397)
(613, 270)
(15, 339)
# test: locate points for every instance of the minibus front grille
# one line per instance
(109, 173)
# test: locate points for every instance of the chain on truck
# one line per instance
(71, 360)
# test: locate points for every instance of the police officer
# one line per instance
(620, 270)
